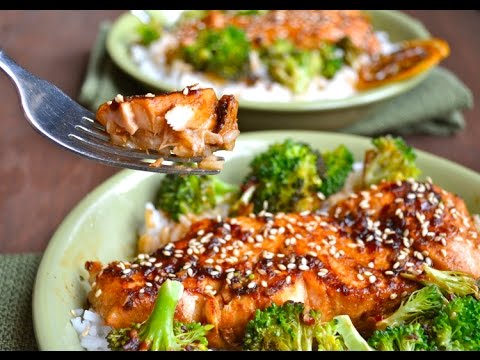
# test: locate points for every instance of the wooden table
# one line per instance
(40, 183)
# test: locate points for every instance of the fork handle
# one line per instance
(12, 69)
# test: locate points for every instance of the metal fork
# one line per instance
(67, 123)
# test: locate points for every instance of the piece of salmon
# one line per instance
(307, 29)
(345, 262)
(187, 123)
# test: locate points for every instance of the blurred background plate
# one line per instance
(255, 115)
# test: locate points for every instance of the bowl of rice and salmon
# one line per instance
(327, 68)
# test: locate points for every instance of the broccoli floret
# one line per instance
(192, 194)
(451, 282)
(333, 59)
(457, 326)
(285, 178)
(149, 30)
(160, 332)
(291, 66)
(224, 52)
(402, 338)
(337, 165)
(419, 305)
(342, 329)
(288, 328)
(391, 160)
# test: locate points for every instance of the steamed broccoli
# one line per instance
(402, 338)
(337, 166)
(457, 326)
(291, 66)
(419, 305)
(224, 52)
(391, 160)
(160, 332)
(451, 282)
(192, 194)
(287, 327)
(285, 178)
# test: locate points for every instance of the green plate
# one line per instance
(398, 25)
(103, 225)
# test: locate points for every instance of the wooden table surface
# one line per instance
(40, 183)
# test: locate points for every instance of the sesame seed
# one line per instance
(252, 284)
(119, 98)
(149, 284)
(409, 264)
(98, 293)
(372, 279)
(393, 296)
(288, 279)
(303, 267)
(322, 272)
(396, 265)
(291, 266)
(371, 265)
(141, 291)
(264, 283)
(360, 277)
(389, 272)
(127, 271)
(367, 273)
(444, 252)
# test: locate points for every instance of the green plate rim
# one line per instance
(117, 46)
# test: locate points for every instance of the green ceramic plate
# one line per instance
(398, 25)
(103, 225)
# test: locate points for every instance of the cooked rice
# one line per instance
(91, 330)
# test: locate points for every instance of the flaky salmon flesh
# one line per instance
(347, 261)
(187, 123)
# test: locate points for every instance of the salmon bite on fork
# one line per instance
(347, 262)
(189, 123)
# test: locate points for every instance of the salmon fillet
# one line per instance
(346, 261)
(307, 29)
(187, 123)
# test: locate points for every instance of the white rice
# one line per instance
(151, 61)
(91, 330)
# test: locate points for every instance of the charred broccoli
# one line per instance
(224, 52)
(391, 160)
(288, 327)
(291, 177)
(160, 331)
(192, 194)
(284, 178)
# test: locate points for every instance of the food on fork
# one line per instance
(188, 123)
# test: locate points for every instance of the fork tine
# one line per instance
(91, 123)
(122, 159)
(93, 132)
